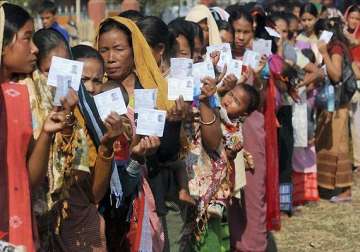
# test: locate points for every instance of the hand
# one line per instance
(178, 112)
(70, 101)
(55, 122)
(244, 77)
(322, 46)
(232, 153)
(208, 89)
(229, 82)
(116, 125)
(143, 147)
(215, 57)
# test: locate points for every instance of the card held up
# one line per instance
(61, 69)
(180, 67)
(145, 98)
(151, 122)
(262, 46)
(251, 58)
(110, 101)
(235, 68)
(326, 36)
(181, 87)
(225, 54)
(203, 69)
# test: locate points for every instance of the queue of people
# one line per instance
(269, 129)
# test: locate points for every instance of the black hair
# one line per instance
(308, 53)
(110, 24)
(223, 25)
(254, 97)
(15, 18)
(239, 13)
(334, 25)
(295, 4)
(48, 39)
(182, 27)
(133, 15)
(290, 16)
(232, 8)
(155, 32)
(48, 6)
(87, 52)
(309, 8)
(276, 16)
(198, 32)
(354, 8)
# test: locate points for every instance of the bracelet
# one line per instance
(207, 123)
(70, 119)
(133, 167)
(101, 153)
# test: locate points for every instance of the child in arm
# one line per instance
(237, 104)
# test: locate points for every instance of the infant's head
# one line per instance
(241, 101)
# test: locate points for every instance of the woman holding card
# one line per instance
(247, 219)
(77, 175)
(23, 162)
(332, 133)
(129, 62)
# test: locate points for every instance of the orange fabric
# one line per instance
(305, 187)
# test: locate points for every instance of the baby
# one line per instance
(236, 105)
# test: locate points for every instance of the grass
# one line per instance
(322, 227)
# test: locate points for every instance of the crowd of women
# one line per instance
(228, 162)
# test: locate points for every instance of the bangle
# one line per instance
(101, 153)
(70, 119)
(207, 123)
(133, 167)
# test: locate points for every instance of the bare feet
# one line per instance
(184, 196)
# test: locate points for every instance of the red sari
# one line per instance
(272, 159)
(16, 131)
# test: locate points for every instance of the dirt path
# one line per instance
(324, 227)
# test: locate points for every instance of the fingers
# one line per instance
(69, 102)
(222, 74)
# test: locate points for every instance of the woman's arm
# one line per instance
(209, 119)
(333, 62)
(39, 154)
(313, 74)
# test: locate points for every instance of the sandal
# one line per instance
(337, 199)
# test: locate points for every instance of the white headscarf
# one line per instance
(201, 12)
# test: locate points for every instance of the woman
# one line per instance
(129, 62)
(52, 43)
(201, 14)
(78, 171)
(332, 134)
(198, 43)
(183, 32)
(247, 219)
(309, 16)
(352, 32)
(23, 162)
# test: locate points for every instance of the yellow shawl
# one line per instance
(200, 12)
(145, 65)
